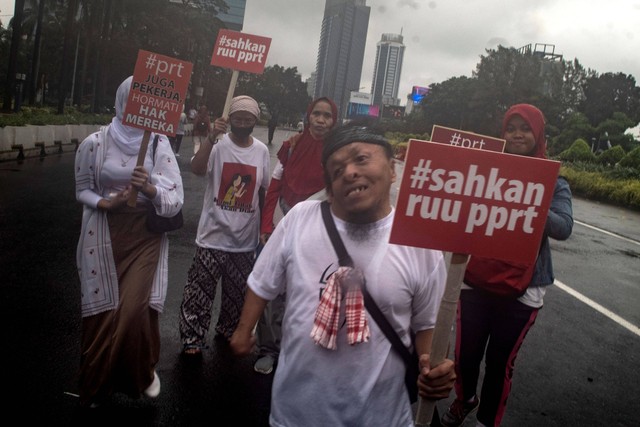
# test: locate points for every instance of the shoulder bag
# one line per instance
(344, 259)
(500, 278)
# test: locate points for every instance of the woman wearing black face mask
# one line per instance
(242, 124)
(237, 171)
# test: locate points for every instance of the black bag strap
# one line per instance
(155, 145)
(344, 259)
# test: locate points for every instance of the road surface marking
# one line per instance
(608, 233)
(611, 315)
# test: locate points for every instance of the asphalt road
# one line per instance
(578, 366)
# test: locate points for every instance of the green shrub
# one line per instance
(626, 193)
(47, 116)
(578, 152)
(397, 137)
(611, 156)
(621, 173)
(600, 186)
(632, 159)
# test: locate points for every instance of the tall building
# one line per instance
(311, 84)
(341, 52)
(234, 17)
(386, 74)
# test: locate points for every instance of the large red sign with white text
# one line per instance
(240, 51)
(474, 202)
(157, 94)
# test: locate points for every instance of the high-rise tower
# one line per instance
(234, 17)
(386, 74)
(341, 51)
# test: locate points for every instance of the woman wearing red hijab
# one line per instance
(297, 175)
(496, 324)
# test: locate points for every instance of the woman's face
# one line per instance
(519, 137)
(320, 119)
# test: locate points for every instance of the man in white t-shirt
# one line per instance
(347, 379)
(237, 171)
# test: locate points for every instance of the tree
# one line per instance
(16, 34)
(503, 77)
(446, 104)
(609, 93)
(35, 58)
(72, 7)
(280, 89)
(506, 77)
(615, 128)
(575, 127)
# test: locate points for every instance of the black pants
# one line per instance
(499, 325)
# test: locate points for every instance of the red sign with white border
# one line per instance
(157, 94)
(460, 138)
(240, 51)
(475, 202)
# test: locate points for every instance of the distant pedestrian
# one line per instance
(192, 114)
(272, 124)
(237, 174)
(201, 128)
(176, 141)
(122, 265)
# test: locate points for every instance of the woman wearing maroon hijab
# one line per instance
(497, 325)
(297, 175)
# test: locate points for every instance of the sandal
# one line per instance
(192, 350)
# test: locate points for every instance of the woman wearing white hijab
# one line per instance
(122, 266)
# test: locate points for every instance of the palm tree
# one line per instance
(16, 24)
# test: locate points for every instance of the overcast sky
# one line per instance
(445, 38)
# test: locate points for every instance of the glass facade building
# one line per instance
(234, 17)
(341, 50)
(387, 70)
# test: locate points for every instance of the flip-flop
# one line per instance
(192, 350)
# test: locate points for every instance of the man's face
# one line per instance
(360, 176)
(320, 119)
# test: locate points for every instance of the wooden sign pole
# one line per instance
(232, 88)
(141, 156)
(442, 331)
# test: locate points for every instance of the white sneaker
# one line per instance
(154, 389)
(264, 365)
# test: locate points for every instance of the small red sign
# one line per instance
(475, 202)
(240, 51)
(461, 138)
(157, 94)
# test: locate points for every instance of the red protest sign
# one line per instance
(240, 51)
(157, 94)
(460, 138)
(474, 202)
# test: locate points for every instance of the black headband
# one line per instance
(345, 135)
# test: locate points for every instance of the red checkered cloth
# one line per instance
(325, 322)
